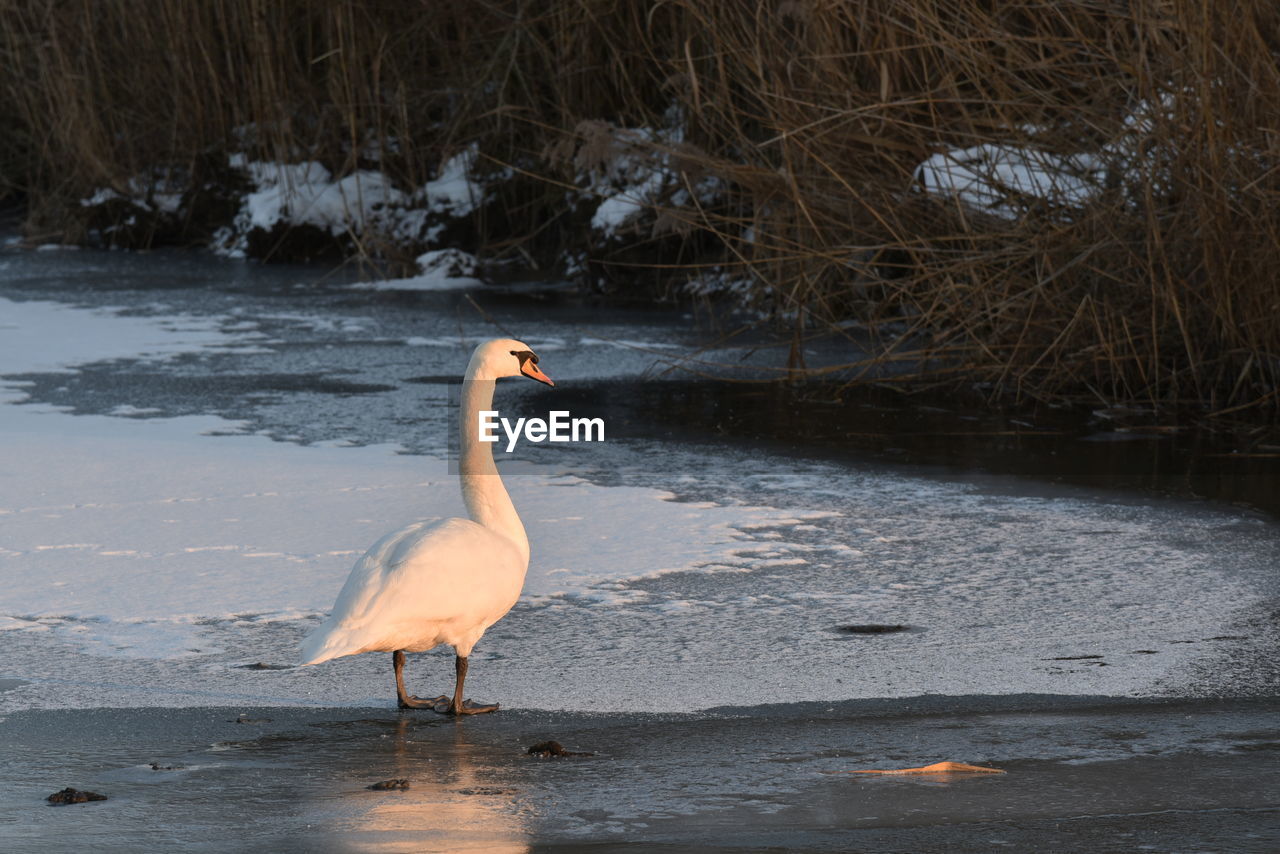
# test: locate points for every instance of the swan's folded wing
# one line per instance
(402, 582)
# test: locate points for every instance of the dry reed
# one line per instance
(1160, 289)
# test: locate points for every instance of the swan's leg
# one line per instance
(457, 706)
(402, 698)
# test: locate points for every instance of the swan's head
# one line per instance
(505, 357)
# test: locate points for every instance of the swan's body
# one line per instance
(440, 582)
(416, 588)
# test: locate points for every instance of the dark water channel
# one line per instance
(868, 424)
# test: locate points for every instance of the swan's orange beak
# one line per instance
(533, 372)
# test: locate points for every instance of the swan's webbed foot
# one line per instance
(444, 704)
(457, 706)
(466, 708)
(419, 703)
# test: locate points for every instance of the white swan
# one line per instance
(441, 582)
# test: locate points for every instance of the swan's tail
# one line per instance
(323, 644)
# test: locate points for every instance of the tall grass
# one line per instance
(1160, 290)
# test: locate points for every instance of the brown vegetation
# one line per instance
(1161, 288)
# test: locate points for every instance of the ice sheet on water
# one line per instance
(628, 344)
(121, 520)
(149, 520)
(50, 336)
(148, 561)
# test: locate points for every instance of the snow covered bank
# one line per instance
(288, 209)
(624, 179)
(360, 206)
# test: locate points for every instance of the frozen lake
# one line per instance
(196, 451)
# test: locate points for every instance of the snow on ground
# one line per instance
(306, 193)
(1006, 179)
(1000, 179)
(629, 172)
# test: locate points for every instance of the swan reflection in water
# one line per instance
(450, 804)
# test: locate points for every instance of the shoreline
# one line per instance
(1102, 774)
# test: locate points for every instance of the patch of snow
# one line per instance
(306, 193)
(1000, 179)
(442, 270)
(170, 203)
(454, 191)
(1005, 179)
(161, 191)
(636, 174)
(100, 196)
(718, 282)
(573, 263)
(450, 263)
(625, 203)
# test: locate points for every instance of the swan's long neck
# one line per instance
(487, 500)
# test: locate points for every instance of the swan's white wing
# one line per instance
(416, 582)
